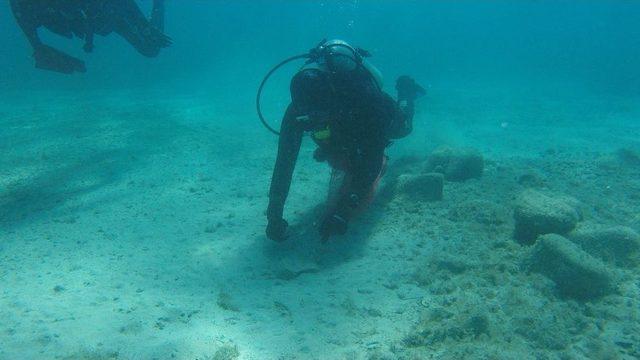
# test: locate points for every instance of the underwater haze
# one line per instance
(133, 196)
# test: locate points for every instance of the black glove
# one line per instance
(276, 229)
(332, 225)
(408, 89)
(156, 38)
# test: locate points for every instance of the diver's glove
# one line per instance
(48, 58)
(156, 38)
(277, 229)
(408, 89)
(332, 225)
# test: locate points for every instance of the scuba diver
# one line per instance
(337, 98)
(84, 19)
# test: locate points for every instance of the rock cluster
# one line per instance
(445, 163)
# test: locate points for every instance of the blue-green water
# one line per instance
(133, 197)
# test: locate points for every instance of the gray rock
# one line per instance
(538, 214)
(576, 274)
(456, 164)
(424, 187)
(617, 245)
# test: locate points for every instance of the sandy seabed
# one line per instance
(133, 228)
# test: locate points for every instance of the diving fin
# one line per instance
(48, 58)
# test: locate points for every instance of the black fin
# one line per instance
(48, 58)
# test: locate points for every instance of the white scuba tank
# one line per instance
(339, 56)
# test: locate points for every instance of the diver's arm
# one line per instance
(406, 110)
(46, 57)
(288, 149)
(157, 15)
(129, 22)
(408, 91)
(28, 25)
(400, 114)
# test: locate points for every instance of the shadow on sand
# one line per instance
(56, 162)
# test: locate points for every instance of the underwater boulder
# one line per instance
(456, 164)
(538, 214)
(423, 187)
(577, 274)
(619, 245)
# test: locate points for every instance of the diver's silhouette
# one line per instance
(84, 19)
(337, 98)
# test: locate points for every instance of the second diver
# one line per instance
(84, 19)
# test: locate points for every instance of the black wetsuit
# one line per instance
(362, 121)
(84, 19)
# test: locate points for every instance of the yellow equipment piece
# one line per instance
(323, 134)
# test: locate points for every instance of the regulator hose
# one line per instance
(313, 55)
(264, 82)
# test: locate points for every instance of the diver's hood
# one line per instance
(334, 57)
(338, 56)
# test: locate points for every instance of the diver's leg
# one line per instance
(27, 21)
(157, 15)
(46, 57)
